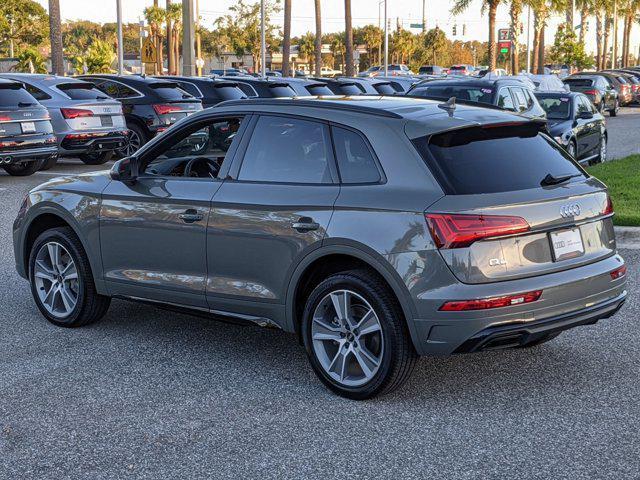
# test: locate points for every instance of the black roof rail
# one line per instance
(461, 101)
(349, 107)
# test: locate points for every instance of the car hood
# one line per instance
(557, 127)
(91, 183)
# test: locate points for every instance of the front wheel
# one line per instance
(356, 337)
(571, 148)
(602, 153)
(614, 112)
(137, 138)
(61, 280)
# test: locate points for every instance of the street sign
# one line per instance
(504, 47)
(149, 51)
(504, 35)
(416, 25)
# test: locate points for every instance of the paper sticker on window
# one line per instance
(564, 99)
(486, 90)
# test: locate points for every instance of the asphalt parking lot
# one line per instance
(623, 140)
(150, 394)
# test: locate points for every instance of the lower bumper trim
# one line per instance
(521, 334)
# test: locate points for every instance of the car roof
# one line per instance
(551, 93)
(472, 81)
(42, 79)
(135, 80)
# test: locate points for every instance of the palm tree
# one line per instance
(586, 8)
(169, 35)
(460, 6)
(286, 41)
(515, 13)
(318, 43)
(338, 48)
(348, 39)
(55, 28)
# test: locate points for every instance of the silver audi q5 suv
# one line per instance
(376, 229)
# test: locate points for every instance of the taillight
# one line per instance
(71, 113)
(618, 272)
(608, 209)
(164, 109)
(5, 119)
(591, 92)
(452, 230)
(487, 303)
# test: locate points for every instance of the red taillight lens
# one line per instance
(608, 209)
(5, 119)
(450, 230)
(71, 113)
(591, 92)
(618, 272)
(486, 303)
(164, 109)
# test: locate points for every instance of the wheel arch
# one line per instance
(331, 259)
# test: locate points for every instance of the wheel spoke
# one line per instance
(338, 361)
(368, 355)
(44, 275)
(368, 324)
(54, 255)
(363, 362)
(326, 326)
(334, 336)
(341, 302)
(67, 299)
(40, 265)
(50, 296)
(53, 273)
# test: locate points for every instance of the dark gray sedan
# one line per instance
(375, 229)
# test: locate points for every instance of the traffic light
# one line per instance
(464, 29)
(455, 29)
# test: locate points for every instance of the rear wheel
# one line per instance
(602, 154)
(23, 169)
(614, 111)
(356, 337)
(571, 148)
(601, 107)
(61, 280)
(49, 163)
(96, 158)
(137, 138)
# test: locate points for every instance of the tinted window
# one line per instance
(489, 160)
(557, 108)
(384, 89)
(247, 89)
(355, 161)
(582, 106)
(287, 150)
(36, 92)
(461, 92)
(228, 92)
(281, 91)
(521, 101)
(81, 92)
(190, 88)
(578, 82)
(319, 90)
(11, 97)
(349, 89)
(169, 91)
(115, 90)
(505, 100)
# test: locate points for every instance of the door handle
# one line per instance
(191, 216)
(305, 224)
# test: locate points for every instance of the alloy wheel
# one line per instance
(56, 279)
(603, 149)
(135, 142)
(347, 338)
(571, 149)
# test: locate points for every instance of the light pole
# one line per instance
(263, 42)
(386, 40)
(188, 39)
(380, 27)
(528, 39)
(120, 46)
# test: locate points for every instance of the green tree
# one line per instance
(100, 57)
(30, 61)
(371, 37)
(155, 17)
(567, 50)
(435, 41)
(23, 23)
(491, 6)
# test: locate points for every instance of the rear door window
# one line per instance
(505, 100)
(319, 89)
(288, 150)
(349, 89)
(190, 88)
(490, 160)
(80, 91)
(169, 91)
(384, 89)
(461, 92)
(355, 161)
(521, 101)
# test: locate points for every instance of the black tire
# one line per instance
(49, 163)
(572, 145)
(614, 111)
(136, 131)
(540, 341)
(96, 158)
(23, 169)
(602, 153)
(602, 107)
(90, 305)
(398, 357)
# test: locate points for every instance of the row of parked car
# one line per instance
(99, 117)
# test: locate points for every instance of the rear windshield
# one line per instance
(230, 92)
(349, 89)
(426, 70)
(169, 91)
(491, 160)
(319, 90)
(557, 108)
(13, 95)
(81, 91)
(281, 91)
(461, 92)
(579, 82)
(384, 89)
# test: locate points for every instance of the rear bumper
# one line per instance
(78, 143)
(508, 336)
(32, 154)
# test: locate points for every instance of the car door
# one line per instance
(153, 231)
(591, 127)
(519, 99)
(272, 211)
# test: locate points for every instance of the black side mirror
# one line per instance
(585, 115)
(125, 170)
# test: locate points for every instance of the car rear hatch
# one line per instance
(582, 85)
(174, 103)
(20, 113)
(515, 204)
(89, 108)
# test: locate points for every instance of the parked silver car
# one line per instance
(87, 123)
(376, 229)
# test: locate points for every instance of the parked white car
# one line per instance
(329, 72)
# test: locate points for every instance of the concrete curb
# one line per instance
(628, 237)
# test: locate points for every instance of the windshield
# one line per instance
(557, 108)
(579, 82)
(482, 160)
(461, 92)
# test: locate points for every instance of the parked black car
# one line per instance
(342, 85)
(402, 84)
(597, 89)
(576, 124)
(432, 70)
(209, 90)
(271, 87)
(150, 105)
(26, 134)
(305, 87)
(507, 93)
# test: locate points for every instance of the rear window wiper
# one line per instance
(553, 180)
